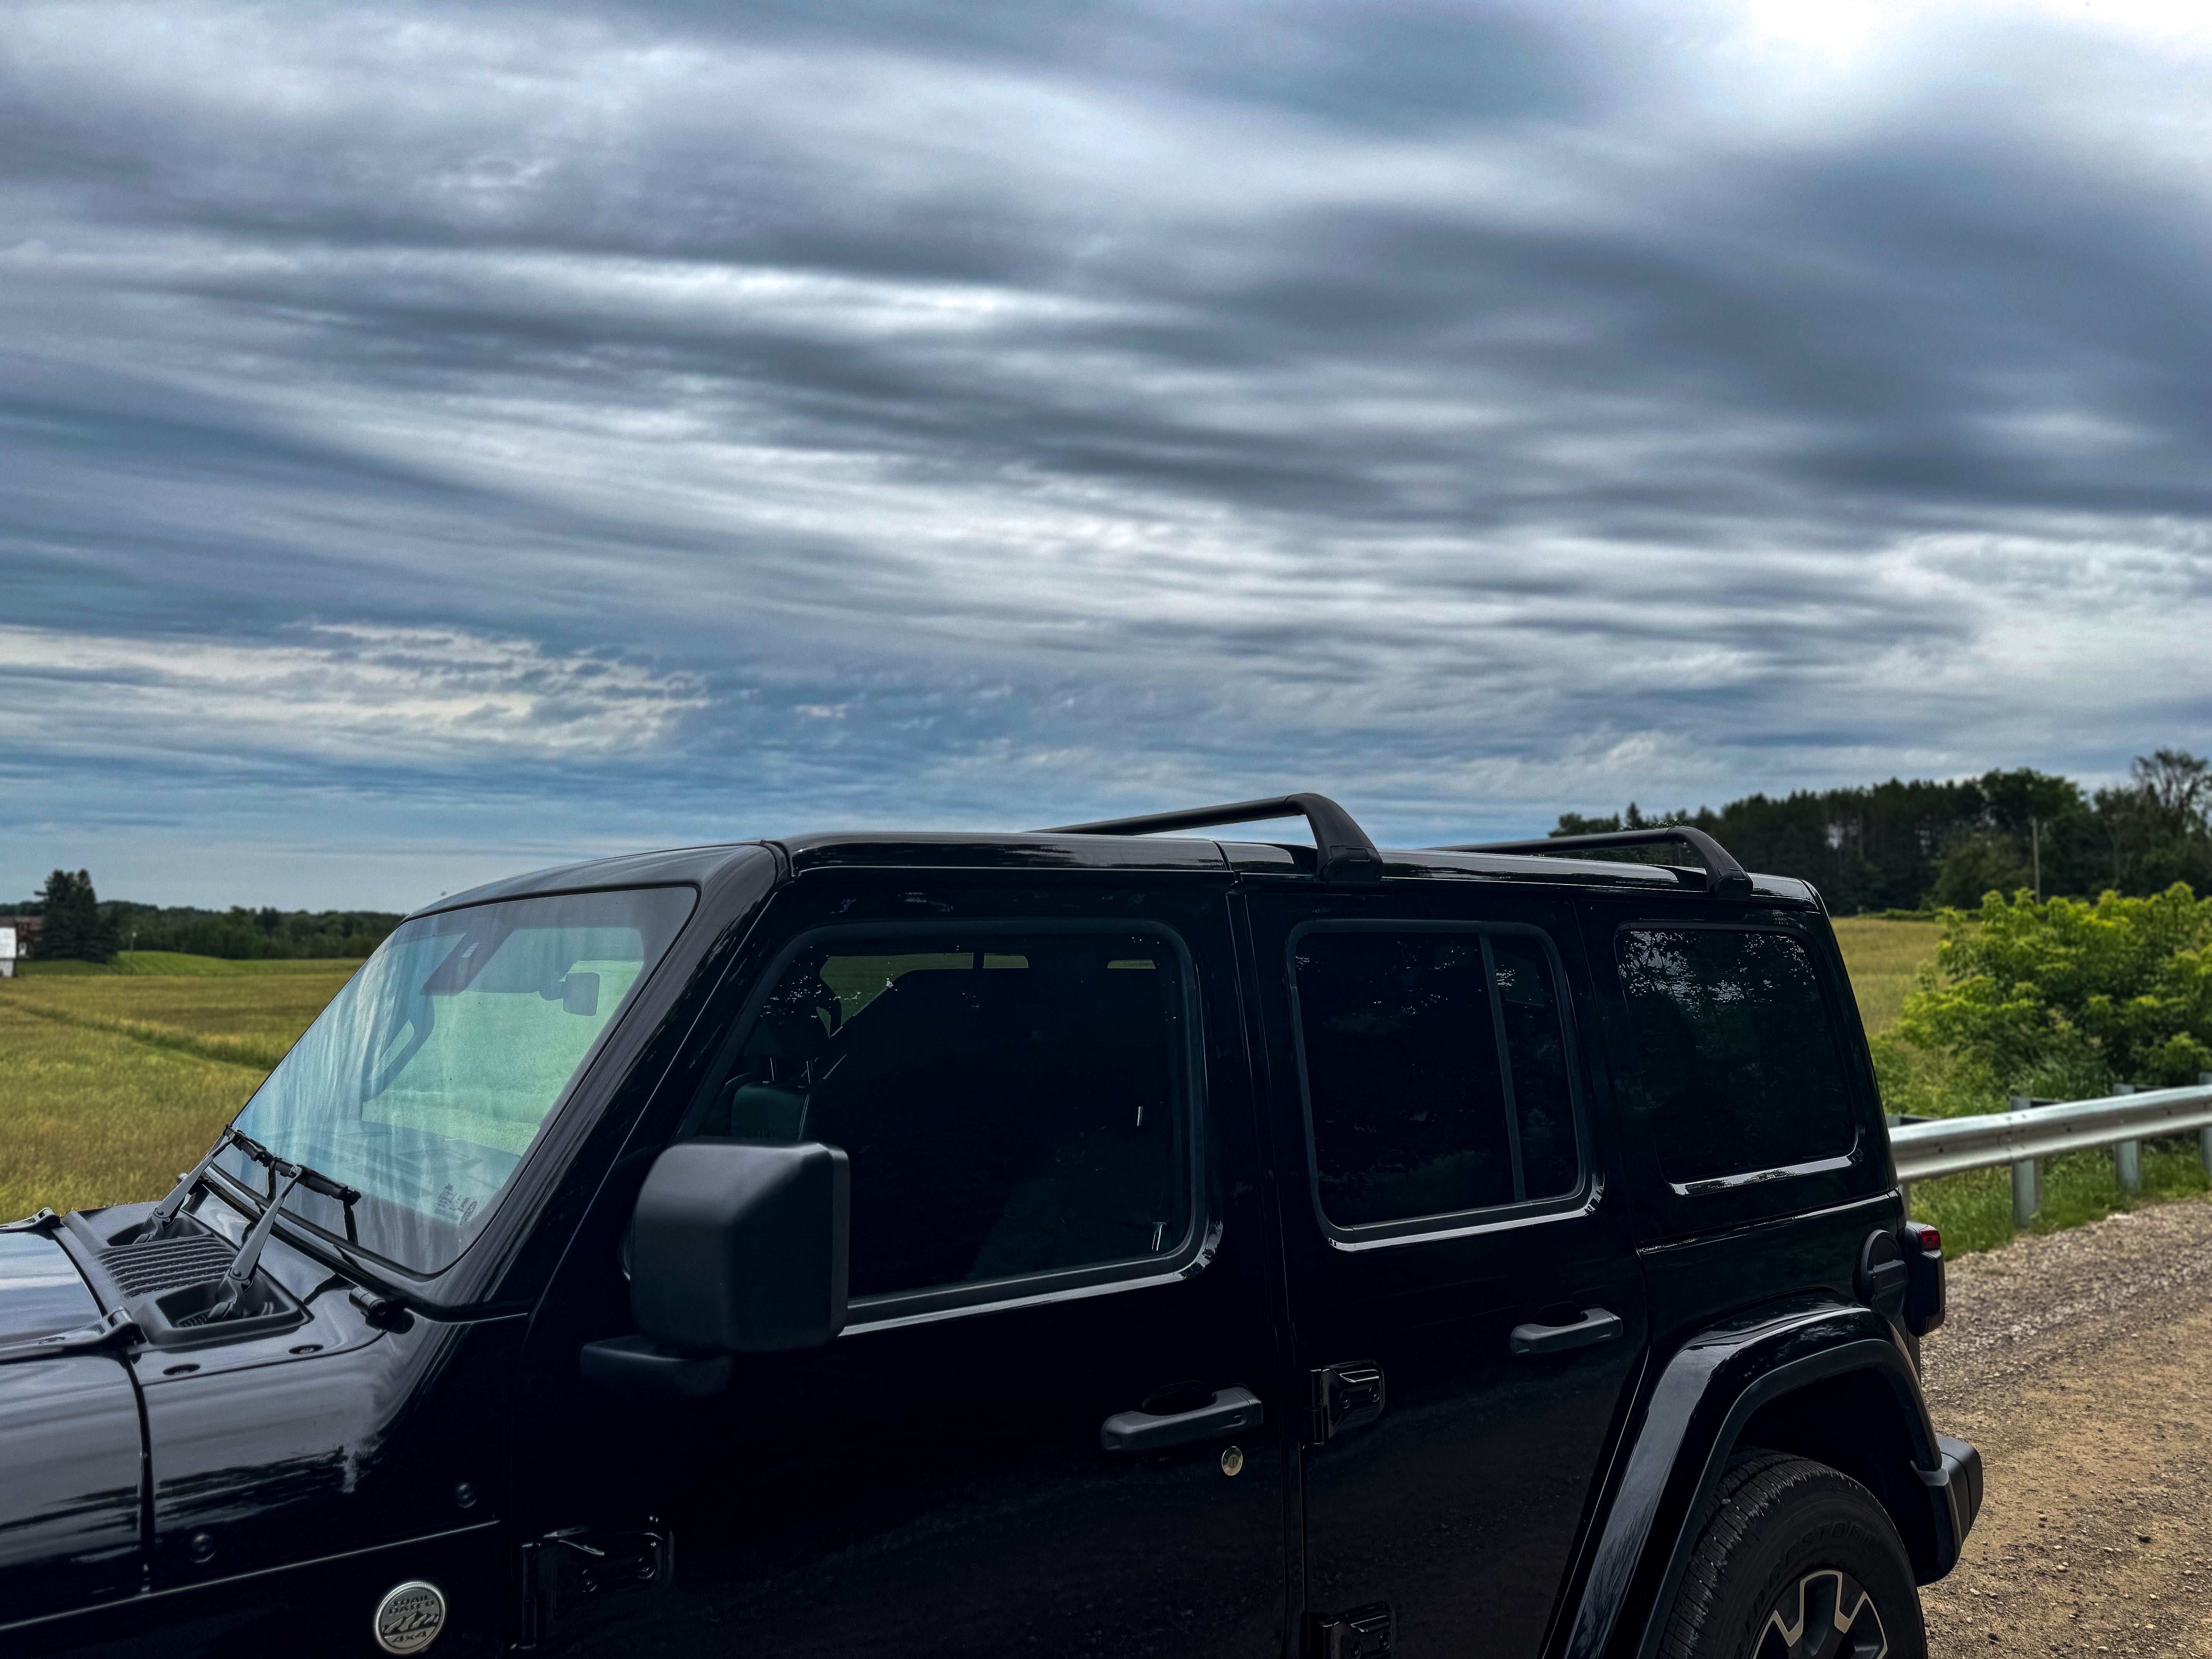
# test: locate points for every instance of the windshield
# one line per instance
(428, 1077)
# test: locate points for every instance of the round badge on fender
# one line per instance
(410, 1617)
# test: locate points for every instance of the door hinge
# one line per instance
(1364, 1632)
(1344, 1397)
(579, 1569)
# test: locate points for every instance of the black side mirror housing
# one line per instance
(739, 1247)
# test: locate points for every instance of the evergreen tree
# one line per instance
(72, 928)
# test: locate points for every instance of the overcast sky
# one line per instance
(440, 441)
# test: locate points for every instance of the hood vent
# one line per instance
(166, 1264)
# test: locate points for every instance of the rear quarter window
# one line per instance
(1737, 1067)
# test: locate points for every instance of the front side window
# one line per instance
(1013, 1103)
(1436, 1072)
(429, 1076)
(1737, 1066)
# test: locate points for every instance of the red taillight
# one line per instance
(1930, 1240)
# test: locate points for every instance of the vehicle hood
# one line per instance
(40, 1290)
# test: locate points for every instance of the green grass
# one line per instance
(1885, 959)
(110, 1083)
(1974, 1210)
(88, 1117)
(170, 964)
(240, 1019)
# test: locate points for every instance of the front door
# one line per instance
(1464, 1291)
(1056, 1424)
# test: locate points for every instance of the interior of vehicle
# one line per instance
(1011, 1104)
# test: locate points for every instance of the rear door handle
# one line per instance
(1230, 1410)
(1595, 1325)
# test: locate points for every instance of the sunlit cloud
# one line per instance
(343, 693)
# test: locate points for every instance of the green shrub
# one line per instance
(2067, 998)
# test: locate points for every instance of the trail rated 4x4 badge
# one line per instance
(410, 1617)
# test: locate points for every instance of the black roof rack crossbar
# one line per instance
(1724, 877)
(1345, 852)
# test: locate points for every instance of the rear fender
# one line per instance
(1826, 1379)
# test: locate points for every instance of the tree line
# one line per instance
(76, 925)
(1903, 846)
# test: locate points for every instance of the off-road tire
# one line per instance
(1789, 1541)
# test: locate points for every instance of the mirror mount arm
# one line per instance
(633, 1365)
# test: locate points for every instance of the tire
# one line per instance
(1789, 1546)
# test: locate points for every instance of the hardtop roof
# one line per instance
(1104, 854)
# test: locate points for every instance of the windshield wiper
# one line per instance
(238, 1278)
(296, 1175)
(181, 1194)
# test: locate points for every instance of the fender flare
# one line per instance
(1687, 1428)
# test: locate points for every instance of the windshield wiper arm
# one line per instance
(298, 1175)
(239, 1274)
(181, 1194)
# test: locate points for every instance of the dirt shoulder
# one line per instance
(2081, 1364)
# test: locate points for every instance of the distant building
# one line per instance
(19, 937)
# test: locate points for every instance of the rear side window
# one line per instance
(1436, 1072)
(1737, 1069)
(1013, 1103)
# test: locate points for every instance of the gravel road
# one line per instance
(2081, 1364)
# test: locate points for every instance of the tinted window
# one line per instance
(1536, 1048)
(1012, 1103)
(1416, 1107)
(1737, 1065)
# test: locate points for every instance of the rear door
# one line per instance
(1747, 1099)
(1056, 1221)
(1465, 1300)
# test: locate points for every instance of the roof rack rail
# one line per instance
(1345, 852)
(1724, 877)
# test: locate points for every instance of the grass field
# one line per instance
(113, 1079)
(1885, 959)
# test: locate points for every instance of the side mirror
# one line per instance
(739, 1247)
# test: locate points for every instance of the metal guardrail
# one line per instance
(2024, 1137)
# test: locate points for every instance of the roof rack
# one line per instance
(1724, 877)
(1345, 852)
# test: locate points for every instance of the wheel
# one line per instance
(1795, 1561)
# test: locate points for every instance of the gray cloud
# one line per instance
(997, 417)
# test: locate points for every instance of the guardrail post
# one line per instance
(2127, 1155)
(2026, 1181)
(2026, 1193)
(2204, 1135)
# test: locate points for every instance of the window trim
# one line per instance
(1829, 1164)
(1201, 1237)
(1578, 1199)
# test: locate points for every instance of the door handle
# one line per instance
(1230, 1410)
(1595, 1325)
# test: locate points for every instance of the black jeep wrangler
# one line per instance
(1048, 1244)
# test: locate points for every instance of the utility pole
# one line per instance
(2035, 853)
